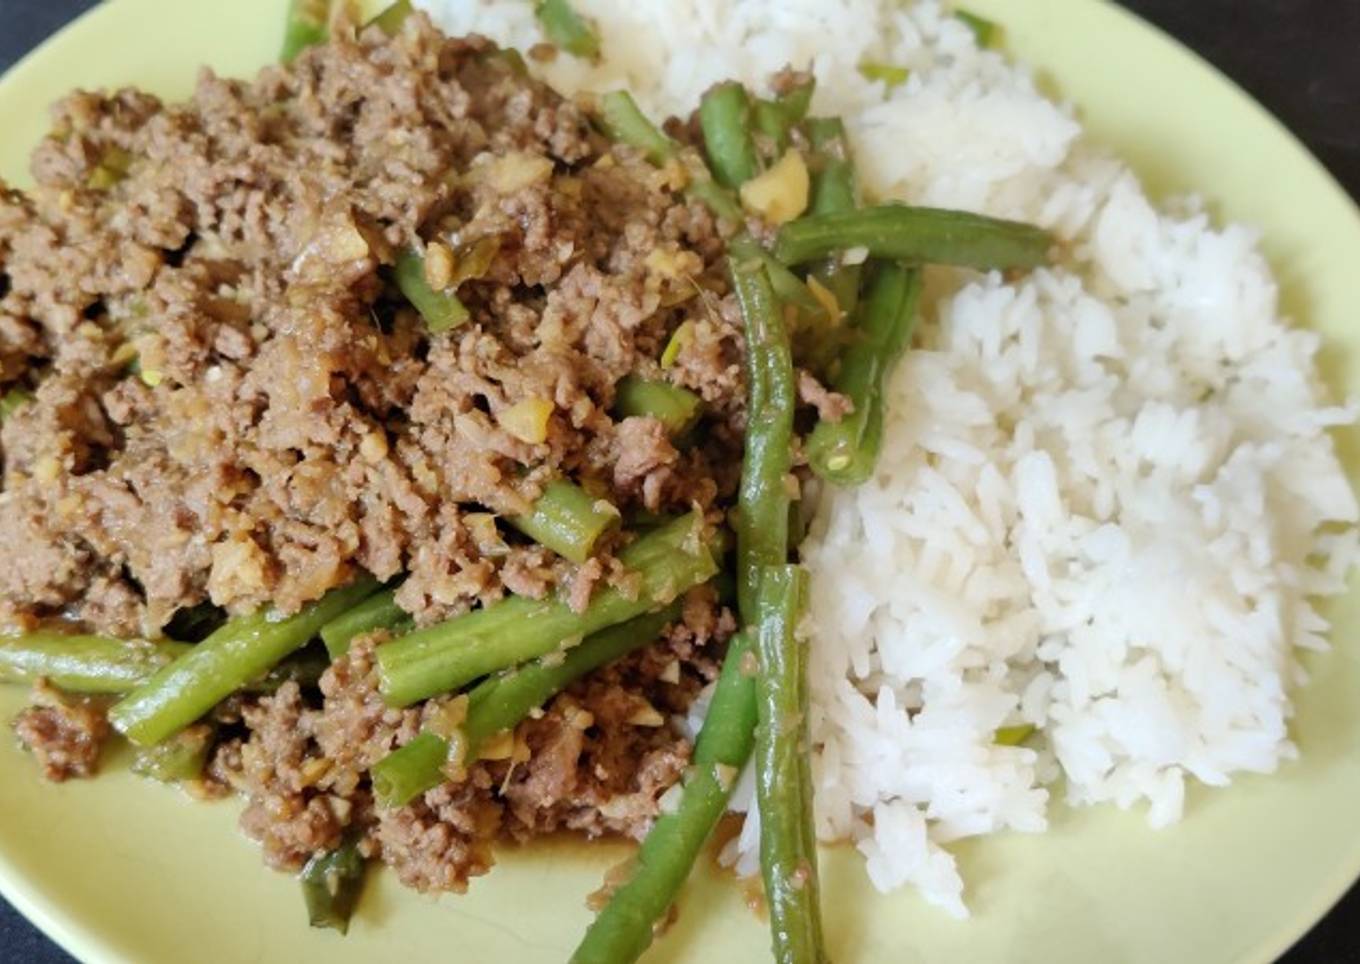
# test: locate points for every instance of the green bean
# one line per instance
(568, 29)
(901, 233)
(241, 651)
(777, 118)
(304, 668)
(441, 310)
(410, 770)
(567, 520)
(788, 288)
(714, 196)
(676, 408)
(331, 883)
(393, 17)
(500, 702)
(763, 502)
(84, 664)
(833, 172)
(813, 337)
(625, 927)
(984, 30)
(306, 26)
(834, 191)
(844, 452)
(788, 847)
(725, 117)
(378, 611)
(13, 400)
(447, 656)
(623, 121)
(182, 757)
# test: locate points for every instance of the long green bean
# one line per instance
(725, 117)
(500, 702)
(814, 336)
(763, 502)
(182, 757)
(567, 29)
(567, 520)
(789, 289)
(331, 883)
(834, 191)
(441, 310)
(241, 651)
(623, 121)
(306, 26)
(924, 235)
(777, 118)
(447, 656)
(625, 927)
(378, 611)
(84, 664)
(674, 407)
(788, 847)
(833, 172)
(844, 452)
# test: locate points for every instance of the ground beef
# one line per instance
(831, 406)
(232, 402)
(595, 760)
(64, 734)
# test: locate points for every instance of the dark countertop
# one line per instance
(1300, 58)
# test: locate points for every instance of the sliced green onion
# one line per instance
(680, 339)
(890, 74)
(568, 29)
(1013, 735)
(983, 29)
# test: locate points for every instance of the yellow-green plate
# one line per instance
(117, 869)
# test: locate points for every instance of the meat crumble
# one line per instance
(230, 404)
(223, 401)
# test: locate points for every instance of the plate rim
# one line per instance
(85, 943)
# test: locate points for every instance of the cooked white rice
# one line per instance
(1107, 491)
